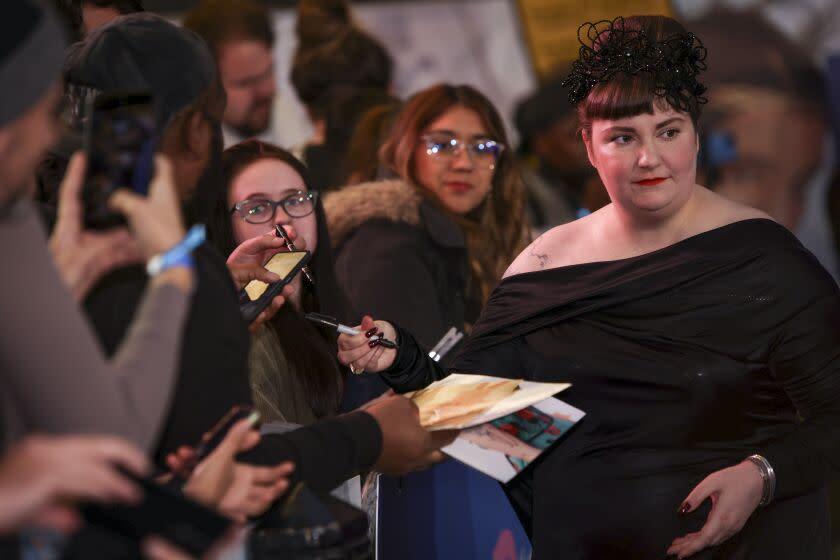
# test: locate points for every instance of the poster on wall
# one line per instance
(550, 26)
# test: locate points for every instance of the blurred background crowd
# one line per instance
(766, 133)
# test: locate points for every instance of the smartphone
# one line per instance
(163, 512)
(256, 296)
(120, 140)
(214, 437)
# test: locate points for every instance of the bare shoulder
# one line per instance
(726, 211)
(551, 249)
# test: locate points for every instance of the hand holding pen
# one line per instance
(374, 337)
(259, 250)
(281, 232)
(371, 350)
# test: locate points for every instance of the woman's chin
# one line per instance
(460, 206)
(652, 202)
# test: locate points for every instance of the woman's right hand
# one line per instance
(360, 354)
(156, 220)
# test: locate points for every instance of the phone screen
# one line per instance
(257, 295)
(211, 440)
(121, 143)
(281, 264)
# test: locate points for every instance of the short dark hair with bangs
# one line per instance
(629, 93)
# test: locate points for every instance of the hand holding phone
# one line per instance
(120, 140)
(214, 437)
(163, 512)
(256, 296)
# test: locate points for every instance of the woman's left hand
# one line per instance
(735, 493)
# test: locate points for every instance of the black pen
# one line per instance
(281, 233)
(344, 329)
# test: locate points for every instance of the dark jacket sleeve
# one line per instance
(51, 367)
(413, 369)
(212, 369)
(214, 361)
(326, 453)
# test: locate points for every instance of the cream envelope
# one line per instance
(447, 404)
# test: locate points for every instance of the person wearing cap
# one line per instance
(555, 168)
(127, 55)
(53, 376)
(46, 349)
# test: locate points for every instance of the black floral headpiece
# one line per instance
(608, 49)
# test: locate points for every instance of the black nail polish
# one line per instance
(373, 343)
(371, 332)
(684, 509)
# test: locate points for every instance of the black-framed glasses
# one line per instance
(262, 210)
(446, 147)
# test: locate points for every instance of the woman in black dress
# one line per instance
(700, 337)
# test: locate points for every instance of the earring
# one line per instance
(492, 166)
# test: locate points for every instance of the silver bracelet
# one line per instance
(768, 478)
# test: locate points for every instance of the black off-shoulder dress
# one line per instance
(686, 360)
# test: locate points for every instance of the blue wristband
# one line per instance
(180, 254)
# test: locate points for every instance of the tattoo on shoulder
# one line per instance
(542, 258)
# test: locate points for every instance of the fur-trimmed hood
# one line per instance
(352, 206)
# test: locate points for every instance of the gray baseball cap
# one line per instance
(144, 52)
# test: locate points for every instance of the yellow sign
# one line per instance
(551, 26)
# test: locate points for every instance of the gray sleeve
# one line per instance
(51, 365)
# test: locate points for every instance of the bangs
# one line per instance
(628, 96)
(621, 97)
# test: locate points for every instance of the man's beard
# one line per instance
(248, 129)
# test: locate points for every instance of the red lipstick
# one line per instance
(650, 182)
